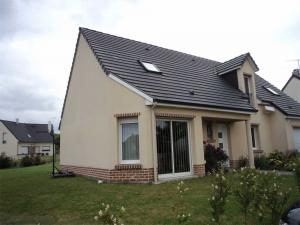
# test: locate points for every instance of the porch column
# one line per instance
(249, 143)
(154, 147)
(197, 147)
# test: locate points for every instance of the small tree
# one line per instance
(245, 190)
(297, 172)
(218, 199)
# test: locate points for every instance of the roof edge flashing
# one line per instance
(130, 87)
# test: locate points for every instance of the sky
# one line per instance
(38, 38)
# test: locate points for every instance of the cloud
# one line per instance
(37, 40)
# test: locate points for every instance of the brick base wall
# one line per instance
(119, 175)
(199, 170)
(234, 164)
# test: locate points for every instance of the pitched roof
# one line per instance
(282, 102)
(182, 74)
(295, 74)
(235, 63)
(185, 79)
(29, 132)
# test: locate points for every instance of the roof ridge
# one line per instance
(2, 120)
(156, 46)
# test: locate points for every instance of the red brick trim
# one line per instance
(174, 115)
(142, 175)
(199, 170)
(128, 166)
(234, 163)
(122, 115)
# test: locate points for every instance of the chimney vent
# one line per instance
(17, 120)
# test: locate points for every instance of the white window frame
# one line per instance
(270, 89)
(256, 137)
(151, 67)
(127, 121)
(47, 146)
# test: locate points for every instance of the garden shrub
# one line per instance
(276, 161)
(5, 161)
(297, 171)
(218, 199)
(243, 162)
(245, 190)
(31, 160)
(214, 158)
(261, 162)
(109, 215)
(182, 214)
(26, 161)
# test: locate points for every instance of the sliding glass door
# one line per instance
(173, 152)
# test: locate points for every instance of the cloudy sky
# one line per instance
(37, 41)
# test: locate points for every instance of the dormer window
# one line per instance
(150, 67)
(247, 84)
(271, 90)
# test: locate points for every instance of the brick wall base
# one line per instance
(199, 170)
(234, 164)
(124, 175)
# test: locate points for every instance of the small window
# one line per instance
(150, 67)
(254, 136)
(247, 85)
(4, 138)
(209, 130)
(46, 149)
(129, 141)
(272, 90)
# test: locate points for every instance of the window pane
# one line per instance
(164, 151)
(181, 147)
(253, 137)
(247, 88)
(130, 141)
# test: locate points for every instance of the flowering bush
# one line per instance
(218, 199)
(107, 216)
(273, 196)
(245, 190)
(182, 215)
(297, 172)
(214, 158)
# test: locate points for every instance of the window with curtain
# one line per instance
(129, 140)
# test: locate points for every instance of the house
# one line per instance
(292, 87)
(20, 139)
(135, 112)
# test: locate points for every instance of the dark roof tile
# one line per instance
(28, 132)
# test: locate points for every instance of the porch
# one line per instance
(180, 136)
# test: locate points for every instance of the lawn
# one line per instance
(30, 196)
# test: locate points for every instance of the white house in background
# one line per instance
(292, 87)
(19, 139)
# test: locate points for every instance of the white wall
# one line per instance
(11, 145)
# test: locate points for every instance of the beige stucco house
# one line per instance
(292, 86)
(135, 112)
(20, 139)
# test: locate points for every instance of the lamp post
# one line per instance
(51, 132)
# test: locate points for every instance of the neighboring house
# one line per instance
(292, 87)
(135, 112)
(19, 139)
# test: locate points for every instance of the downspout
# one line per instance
(153, 131)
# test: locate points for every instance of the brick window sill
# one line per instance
(128, 167)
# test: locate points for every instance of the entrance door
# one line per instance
(223, 139)
(297, 138)
(173, 152)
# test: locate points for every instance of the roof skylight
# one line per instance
(271, 90)
(150, 67)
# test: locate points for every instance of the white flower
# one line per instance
(123, 209)
(213, 198)
(96, 218)
(223, 178)
(100, 213)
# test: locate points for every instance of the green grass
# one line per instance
(30, 196)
